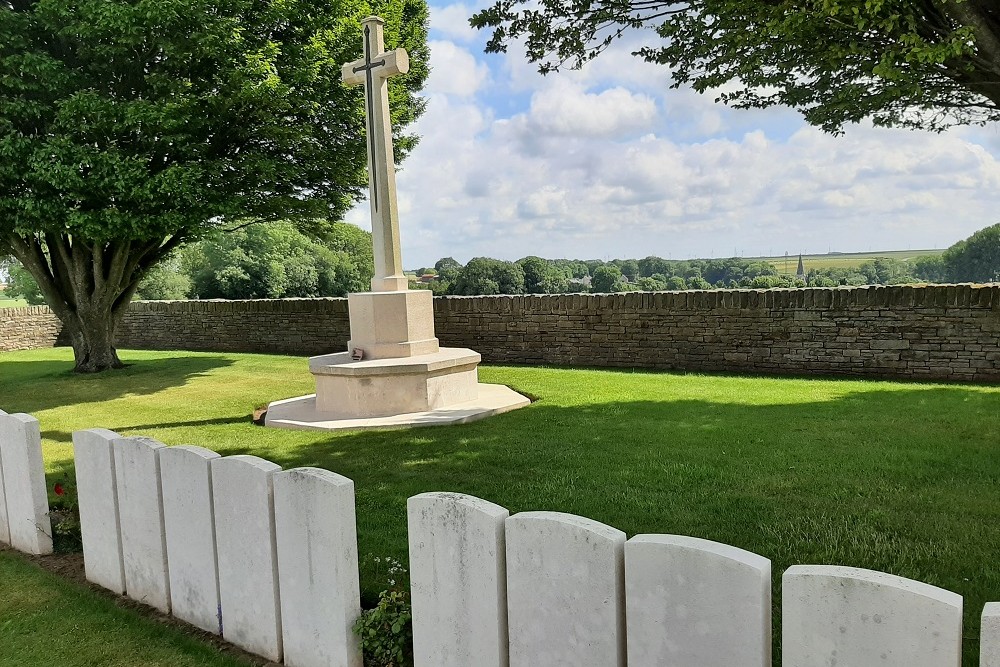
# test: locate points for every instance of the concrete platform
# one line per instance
(301, 413)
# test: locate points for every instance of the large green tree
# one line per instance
(975, 259)
(130, 127)
(910, 63)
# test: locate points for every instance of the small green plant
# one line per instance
(64, 515)
(386, 631)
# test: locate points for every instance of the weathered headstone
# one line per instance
(27, 503)
(97, 499)
(189, 523)
(989, 636)
(140, 510)
(565, 591)
(317, 540)
(848, 616)
(696, 602)
(242, 488)
(458, 579)
(4, 525)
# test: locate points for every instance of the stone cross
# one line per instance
(372, 71)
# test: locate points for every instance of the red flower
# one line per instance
(59, 489)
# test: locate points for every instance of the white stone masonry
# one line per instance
(140, 509)
(248, 565)
(97, 498)
(565, 591)
(695, 602)
(189, 524)
(848, 616)
(27, 502)
(317, 542)
(458, 579)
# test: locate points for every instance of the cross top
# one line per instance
(372, 71)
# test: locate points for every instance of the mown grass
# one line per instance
(889, 476)
(7, 302)
(45, 620)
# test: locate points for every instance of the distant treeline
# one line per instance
(278, 260)
(976, 259)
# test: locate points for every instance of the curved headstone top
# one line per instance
(847, 615)
(692, 601)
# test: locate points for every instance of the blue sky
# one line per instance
(609, 162)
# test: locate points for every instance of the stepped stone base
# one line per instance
(301, 413)
(423, 390)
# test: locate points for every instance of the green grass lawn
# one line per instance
(6, 302)
(45, 620)
(896, 477)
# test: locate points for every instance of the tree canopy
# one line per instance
(130, 128)
(908, 63)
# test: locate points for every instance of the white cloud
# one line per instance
(454, 71)
(567, 110)
(609, 162)
(452, 21)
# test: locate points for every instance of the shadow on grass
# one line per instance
(36, 385)
(901, 480)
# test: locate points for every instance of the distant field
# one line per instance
(842, 260)
(6, 302)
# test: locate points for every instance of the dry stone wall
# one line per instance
(939, 332)
(28, 328)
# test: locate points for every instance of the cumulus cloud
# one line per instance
(454, 70)
(452, 21)
(607, 161)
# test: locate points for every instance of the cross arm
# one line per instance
(396, 62)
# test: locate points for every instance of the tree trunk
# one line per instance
(88, 285)
(93, 341)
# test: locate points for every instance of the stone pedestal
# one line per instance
(403, 378)
(391, 324)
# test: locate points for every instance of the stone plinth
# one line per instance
(384, 387)
(392, 324)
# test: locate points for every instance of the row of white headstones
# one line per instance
(268, 558)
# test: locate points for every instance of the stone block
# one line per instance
(242, 489)
(695, 602)
(317, 542)
(97, 498)
(989, 636)
(27, 502)
(189, 523)
(392, 324)
(140, 509)
(4, 525)
(458, 580)
(848, 616)
(565, 591)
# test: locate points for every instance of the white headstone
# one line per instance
(97, 498)
(458, 580)
(24, 484)
(248, 564)
(140, 510)
(696, 602)
(189, 523)
(4, 525)
(317, 568)
(847, 616)
(989, 637)
(565, 591)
